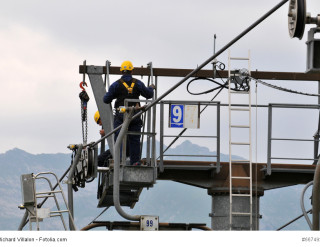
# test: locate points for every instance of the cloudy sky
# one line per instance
(44, 42)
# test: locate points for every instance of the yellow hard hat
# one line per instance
(126, 65)
(96, 116)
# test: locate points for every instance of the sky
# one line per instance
(44, 42)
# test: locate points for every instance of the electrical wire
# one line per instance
(208, 91)
(241, 85)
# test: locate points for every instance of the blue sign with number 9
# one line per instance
(176, 116)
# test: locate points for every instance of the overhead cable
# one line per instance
(282, 88)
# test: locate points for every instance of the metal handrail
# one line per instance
(270, 138)
(71, 220)
(55, 199)
(149, 133)
(162, 135)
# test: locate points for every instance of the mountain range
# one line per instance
(172, 202)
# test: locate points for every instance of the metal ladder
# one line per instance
(30, 197)
(234, 210)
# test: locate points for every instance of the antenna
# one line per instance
(214, 61)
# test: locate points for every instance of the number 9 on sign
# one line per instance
(176, 116)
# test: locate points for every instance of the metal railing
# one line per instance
(216, 136)
(149, 120)
(315, 140)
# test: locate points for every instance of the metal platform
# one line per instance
(203, 174)
(132, 180)
(133, 177)
(127, 198)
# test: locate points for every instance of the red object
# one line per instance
(83, 84)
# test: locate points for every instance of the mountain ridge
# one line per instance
(173, 202)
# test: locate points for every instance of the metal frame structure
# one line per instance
(216, 136)
(34, 211)
(194, 173)
(179, 171)
(271, 138)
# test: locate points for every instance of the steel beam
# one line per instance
(135, 226)
(99, 90)
(170, 72)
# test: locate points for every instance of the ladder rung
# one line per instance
(60, 211)
(240, 161)
(49, 192)
(240, 143)
(241, 195)
(55, 215)
(240, 177)
(240, 92)
(240, 126)
(45, 196)
(239, 58)
(239, 109)
(239, 213)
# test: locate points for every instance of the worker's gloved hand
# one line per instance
(152, 86)
(102, 132)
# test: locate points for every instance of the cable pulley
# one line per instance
(297, 18)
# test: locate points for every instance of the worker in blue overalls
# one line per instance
(128, 87)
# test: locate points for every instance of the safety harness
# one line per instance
(127, 90)
(130, 89)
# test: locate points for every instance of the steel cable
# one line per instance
(282, 88)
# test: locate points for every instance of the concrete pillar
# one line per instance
(221, 209)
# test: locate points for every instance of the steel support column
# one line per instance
(99, 90)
